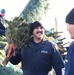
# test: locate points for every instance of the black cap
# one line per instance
(34, 25)
(70, 17)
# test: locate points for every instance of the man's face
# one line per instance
(38, 32)
(70, 28)
(3, 14)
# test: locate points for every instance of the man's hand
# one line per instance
(10, 52)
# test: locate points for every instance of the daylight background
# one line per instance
(58, 10)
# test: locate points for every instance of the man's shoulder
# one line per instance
(48, 42)
(51, 44)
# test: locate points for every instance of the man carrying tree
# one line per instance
(39, 55)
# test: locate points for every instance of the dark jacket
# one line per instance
(38, 59)
(69, 62)
(2, 28)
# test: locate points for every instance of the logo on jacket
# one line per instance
(44, 51)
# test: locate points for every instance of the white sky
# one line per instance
(59, 9)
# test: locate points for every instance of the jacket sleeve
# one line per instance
(58, 72)
(57, 60)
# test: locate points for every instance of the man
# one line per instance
(2, 28)
(69, 63)
(40, 55)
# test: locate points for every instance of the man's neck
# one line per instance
(37, 40)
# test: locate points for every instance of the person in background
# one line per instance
(40, 55)
(69, 62)
(2, 27)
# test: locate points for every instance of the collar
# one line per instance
(31, 44)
